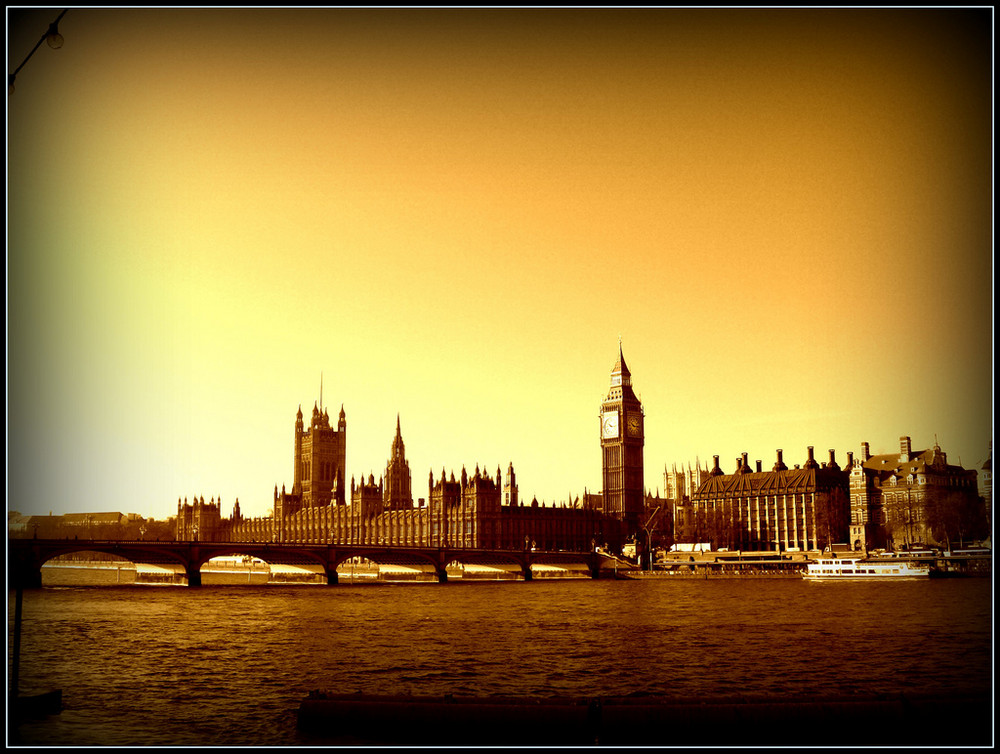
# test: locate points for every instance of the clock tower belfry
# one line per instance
(622, 437)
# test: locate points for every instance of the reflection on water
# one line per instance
(234, 571)
(221, 665)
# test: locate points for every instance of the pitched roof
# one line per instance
(623, 390)
(788, 482)
(918, 462)
(620, 365)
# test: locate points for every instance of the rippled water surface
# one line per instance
(141, 665)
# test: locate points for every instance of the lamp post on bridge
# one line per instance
(649, 527)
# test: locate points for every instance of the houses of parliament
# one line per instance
(474, 510)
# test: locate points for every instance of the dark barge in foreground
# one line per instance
(890, 719)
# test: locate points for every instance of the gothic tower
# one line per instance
(320, 459)
(510, 487)
(398, 493)
(621, 445)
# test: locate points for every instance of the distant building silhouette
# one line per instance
(680, 486)
(986, 482)
(98, 525)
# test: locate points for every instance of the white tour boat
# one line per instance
(856, 568)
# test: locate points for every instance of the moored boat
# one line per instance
(836, 569)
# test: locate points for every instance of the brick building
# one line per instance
(913, 496)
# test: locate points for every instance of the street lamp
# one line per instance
(649, 527)
(54, 40)
(52, 37)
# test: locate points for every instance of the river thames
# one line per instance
(229, 665)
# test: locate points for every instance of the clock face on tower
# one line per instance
(609, 425)
(634, 426)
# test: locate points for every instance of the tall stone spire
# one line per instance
(621, 368)
(398, 449)
(397, 494)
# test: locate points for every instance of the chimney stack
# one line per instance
(811, 461)
(716, 471)
(833, 461)
(904, 448)
(780, 464)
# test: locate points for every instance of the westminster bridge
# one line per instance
(25, 557)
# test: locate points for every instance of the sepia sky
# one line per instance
(454, 215)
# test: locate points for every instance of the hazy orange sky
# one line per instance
(453, 215)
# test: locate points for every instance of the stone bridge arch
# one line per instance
(493, 559)
(25, 557)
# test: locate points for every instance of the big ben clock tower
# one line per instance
(621, 447)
